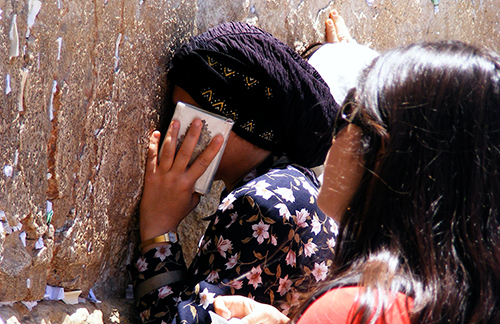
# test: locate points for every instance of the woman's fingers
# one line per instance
(203, 161)
(170, 161)
(181, 161)
(221, 308)
(167, 152)
(336, 29)
(233, 306)
(331, 33)
(186, 150)
(248, 310)
(152, 156)
(265, 314)
(168, 195)
(341, 29)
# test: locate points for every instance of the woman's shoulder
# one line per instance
(339, 305)
(298, 180)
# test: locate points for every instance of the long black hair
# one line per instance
(425, 220)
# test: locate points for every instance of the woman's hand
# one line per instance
(336, 29)
(248, 310)
(168, 194)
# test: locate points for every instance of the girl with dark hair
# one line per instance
(413, 178)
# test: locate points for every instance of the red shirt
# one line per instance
(339, 305)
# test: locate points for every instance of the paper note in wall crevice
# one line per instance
(212, 125)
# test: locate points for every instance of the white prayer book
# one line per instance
(212, 125)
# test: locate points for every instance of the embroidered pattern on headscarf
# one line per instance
(249, 82)
(230, 73)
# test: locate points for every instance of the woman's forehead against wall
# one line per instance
(278, 101)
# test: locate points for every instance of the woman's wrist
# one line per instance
(149, 233)
(151, 226)
(169, 237)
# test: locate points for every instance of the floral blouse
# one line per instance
(268, 240)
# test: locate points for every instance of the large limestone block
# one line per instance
(79, 95)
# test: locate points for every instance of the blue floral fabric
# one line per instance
(268, 240)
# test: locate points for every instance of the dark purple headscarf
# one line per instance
(277, 100)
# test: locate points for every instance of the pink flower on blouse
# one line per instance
(236, 284)
(283, 210)
(302, 216)
(310, 249)
(286, 194)
(234, 216)
(285, 285)
(291, 258)
(261, 189)
(162, 252)
(206, 298)
(233, 260)
(227, 203)
(285, 308)
(254, 277)
(316, 225)
(320, 270)
(204, 245)
(312, 191)
(213, 276)
(260, 231)
(145, 314)
(334, 228)
(274, 240)
(296, 298)
(164, 292)
(223, 245)
(331, 243)
(141, 264)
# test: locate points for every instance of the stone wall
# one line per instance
(81, 86)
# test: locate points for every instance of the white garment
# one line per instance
(340, 65)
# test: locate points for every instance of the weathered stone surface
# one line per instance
(382, 24)
(80, 99)
(87, 108)
(386, 24)
(57, 312)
